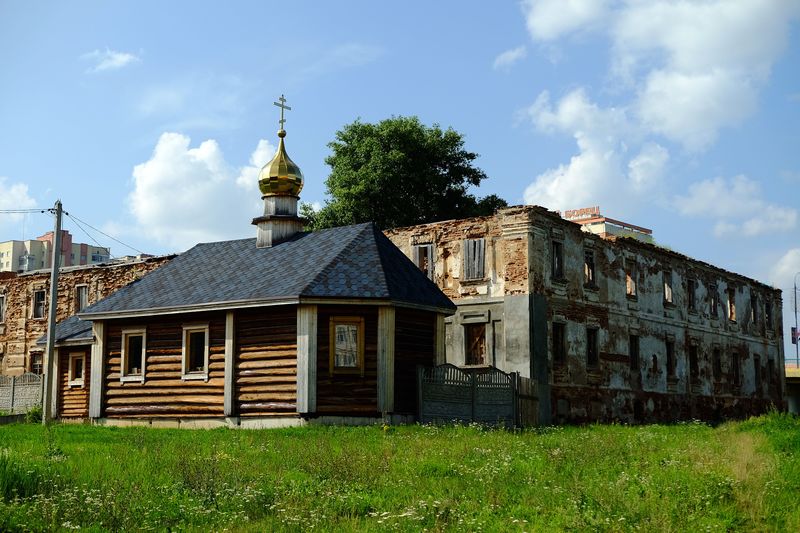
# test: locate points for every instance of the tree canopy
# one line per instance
(399, 172)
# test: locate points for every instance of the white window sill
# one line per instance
(195, 376)
(131, 379)
(76, 383)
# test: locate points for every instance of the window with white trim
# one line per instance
(195, 351)
(81, 297)
(134, 342)
(77, 369)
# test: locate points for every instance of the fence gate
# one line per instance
(20, 393)
(485, 395)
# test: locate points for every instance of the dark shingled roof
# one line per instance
(71, 329)
(348, 262)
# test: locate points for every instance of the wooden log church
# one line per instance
(277, 330)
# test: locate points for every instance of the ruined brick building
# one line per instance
(23, 304)
(611, 327)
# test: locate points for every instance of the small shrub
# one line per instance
(34, 415)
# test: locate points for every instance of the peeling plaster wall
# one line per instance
(518, 272)
(19, 331)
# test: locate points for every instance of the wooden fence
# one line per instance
(485, 395)
(18, 394)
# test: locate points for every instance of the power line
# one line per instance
(77, 220)
(16, 211)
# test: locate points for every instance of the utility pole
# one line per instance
(796, 345)
(49, 376)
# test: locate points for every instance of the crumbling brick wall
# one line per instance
(20, 330)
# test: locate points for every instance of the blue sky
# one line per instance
(150, 119)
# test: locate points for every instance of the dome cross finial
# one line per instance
(283, 107)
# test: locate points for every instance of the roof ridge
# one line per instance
(345, 248)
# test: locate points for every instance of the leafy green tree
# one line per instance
(399, 172)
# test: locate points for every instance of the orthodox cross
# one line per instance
(283, 106)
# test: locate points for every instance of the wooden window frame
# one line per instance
(478, 247)
(71, 380)
(44, 304)
(476, 324)
(187, 374)
(415, 256)
(78, 307)
(123, 376)
(357, 321)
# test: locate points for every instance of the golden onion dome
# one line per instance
(281, 176)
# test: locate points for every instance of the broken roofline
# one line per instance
(267, 302)
(615, 239)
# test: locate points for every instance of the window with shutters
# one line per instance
(475, 337)
(422, 255)
(474, 259)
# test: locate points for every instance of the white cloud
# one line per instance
(603, 171)
(695, 66)
(109, 60)
(13, 196)
(550, 19)
(738, 207)
(782, 274)
(184, 195)
(509, 57)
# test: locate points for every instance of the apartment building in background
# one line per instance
(30, 255)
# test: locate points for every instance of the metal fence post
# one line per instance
(13, 386)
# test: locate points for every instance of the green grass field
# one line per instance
(688, 477)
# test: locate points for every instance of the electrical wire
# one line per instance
(79, 221)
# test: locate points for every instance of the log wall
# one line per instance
(266, 361)
(164, 393)
(347, 394)
(414, 345)
(73, 400)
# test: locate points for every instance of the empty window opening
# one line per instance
(2, 308)
(669, 346)
(735, 370)
(713, 299)
(633, 351)
(591, 347)
(757, 372)
(668, 286)
(558, 260)
(559, 348)
(474, 258)
(589, 274)
(631, 275)
(732, 305)
(423, 258)
(475, 336)
(717, 363)
(768, 314)
(691, 296)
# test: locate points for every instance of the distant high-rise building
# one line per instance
(25, 256)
